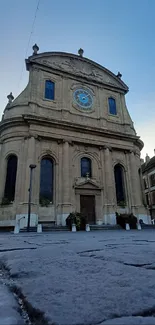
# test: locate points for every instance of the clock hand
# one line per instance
(84, 96)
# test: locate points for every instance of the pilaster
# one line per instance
(3, 167)
(109, 207)
(66, 182)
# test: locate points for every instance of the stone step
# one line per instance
(105, 227)
(54, 228)
(32, 229)
(145, 226)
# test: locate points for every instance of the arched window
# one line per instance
(119, 184)
(86, 167)
(49, 89)
(46, 179)
(112, 106)
(10, 183)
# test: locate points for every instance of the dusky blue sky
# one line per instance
(118, 34)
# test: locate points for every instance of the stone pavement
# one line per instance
(104, 277)
(9, 314)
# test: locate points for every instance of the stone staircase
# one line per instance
(52, 227)
(32, 229)
(49, 227)
(105, 227)
(46, 227)
(148, 227)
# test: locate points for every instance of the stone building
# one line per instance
(72, 122)
(148, 172)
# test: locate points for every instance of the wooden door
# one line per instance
(87, 207)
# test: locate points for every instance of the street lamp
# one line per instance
(30, 192)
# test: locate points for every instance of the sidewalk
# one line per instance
(9, 314)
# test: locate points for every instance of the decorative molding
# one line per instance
(132, 151)
(71, 143)
(107, 146)
(48, 152)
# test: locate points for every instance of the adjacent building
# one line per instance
(71, 121)
(148, 172)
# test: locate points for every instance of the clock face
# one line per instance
(83, 98)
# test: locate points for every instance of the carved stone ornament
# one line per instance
(106, 146)
(80, 52)
(35, 49)
(10, 98)
(79, 68)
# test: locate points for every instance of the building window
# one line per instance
(147, 199)
(152, 180)
(112, 106)
(49, 89)
(86, 167)
(119, 184)
(10, 183)
(46, 180)
(153, 197)
(145, 183)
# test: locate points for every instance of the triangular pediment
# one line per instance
(78, 66)
(87, 184)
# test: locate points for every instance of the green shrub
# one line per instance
(44, 202)
(76, 218)
(5, 201)
(124, 218)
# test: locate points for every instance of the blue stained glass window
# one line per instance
(86, 167)
(112, 106)
(119, 183)
(46, 179)
(49, 89)
(10, 182)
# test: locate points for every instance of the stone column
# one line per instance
(60, 184)
(134, 180)
(30, 160)
(28, 157)
(66, 200)
(3, 168)
(109, 187)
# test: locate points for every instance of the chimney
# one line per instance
(154, 152)
(147, 158)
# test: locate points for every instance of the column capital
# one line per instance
(132, 151)
(71, 143)
(106, 146)
(59, 141)
(65, 141)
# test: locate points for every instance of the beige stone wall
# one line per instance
(34, 127)
(67, 174)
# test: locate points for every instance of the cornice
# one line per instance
(33, 119)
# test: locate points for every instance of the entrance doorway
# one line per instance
(87, 207)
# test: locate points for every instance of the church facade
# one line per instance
(72, 123)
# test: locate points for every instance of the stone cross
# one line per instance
(87, 175)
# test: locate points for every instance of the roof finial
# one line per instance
(35, 49)
(119, 75)
(80, 52)
(10, 98)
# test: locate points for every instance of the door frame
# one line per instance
(90, 194)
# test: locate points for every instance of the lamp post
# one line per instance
(30, 192)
